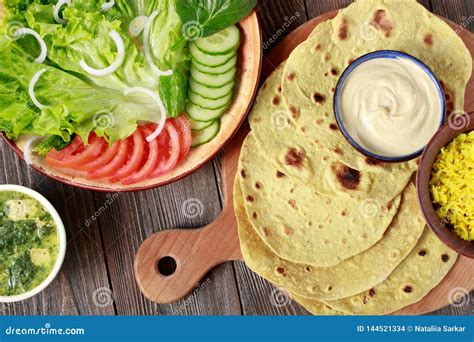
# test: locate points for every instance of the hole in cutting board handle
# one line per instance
(166, 266)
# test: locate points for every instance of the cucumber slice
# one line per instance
(215, 70)
(213, 81)
(209, 60)
(202, 114)
(198, 125)
(206, 135)
(210, 93)
(208, 103)
(220, 43)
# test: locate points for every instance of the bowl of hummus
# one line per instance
(388, 105)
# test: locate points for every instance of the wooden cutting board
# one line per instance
(197, 251)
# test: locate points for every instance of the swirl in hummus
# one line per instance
(390, 107)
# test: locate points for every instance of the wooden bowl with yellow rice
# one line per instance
(445, 183)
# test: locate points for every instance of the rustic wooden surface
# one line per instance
(105, 230)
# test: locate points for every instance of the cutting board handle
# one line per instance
(195, 251)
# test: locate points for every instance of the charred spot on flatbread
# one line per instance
(295, 157)
(280, 174)
(276, 100)
(428, 39)
(338, 151)
(343, 30)
(280, 271)
(346, 176)
(295, 113)
(449, 96)
(319, 98)
(382, 22)
(292, 203)
(373, 162)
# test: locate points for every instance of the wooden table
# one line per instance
(105, 230)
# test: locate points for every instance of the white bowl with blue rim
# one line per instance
(343, 119)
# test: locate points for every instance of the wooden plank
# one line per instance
(260, 297)
(459, 11)
(130, 218)
(84, 271)
(316, 8)
(278, 18)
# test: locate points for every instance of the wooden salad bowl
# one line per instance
(248, 75)
(453, 128)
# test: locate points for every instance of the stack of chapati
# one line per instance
(342, 232)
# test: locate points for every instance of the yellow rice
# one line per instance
(452, 185)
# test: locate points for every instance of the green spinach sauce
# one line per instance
(29, 243)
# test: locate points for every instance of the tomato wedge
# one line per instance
(115, 165)
(102, 160)
(129, 161)
(68, 151)
(135, 159)
(183, 126)
(90, 153)
(168, 142)
(150, 163)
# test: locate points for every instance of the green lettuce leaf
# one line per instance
(76, 102)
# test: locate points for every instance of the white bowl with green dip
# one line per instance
(32, 243)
